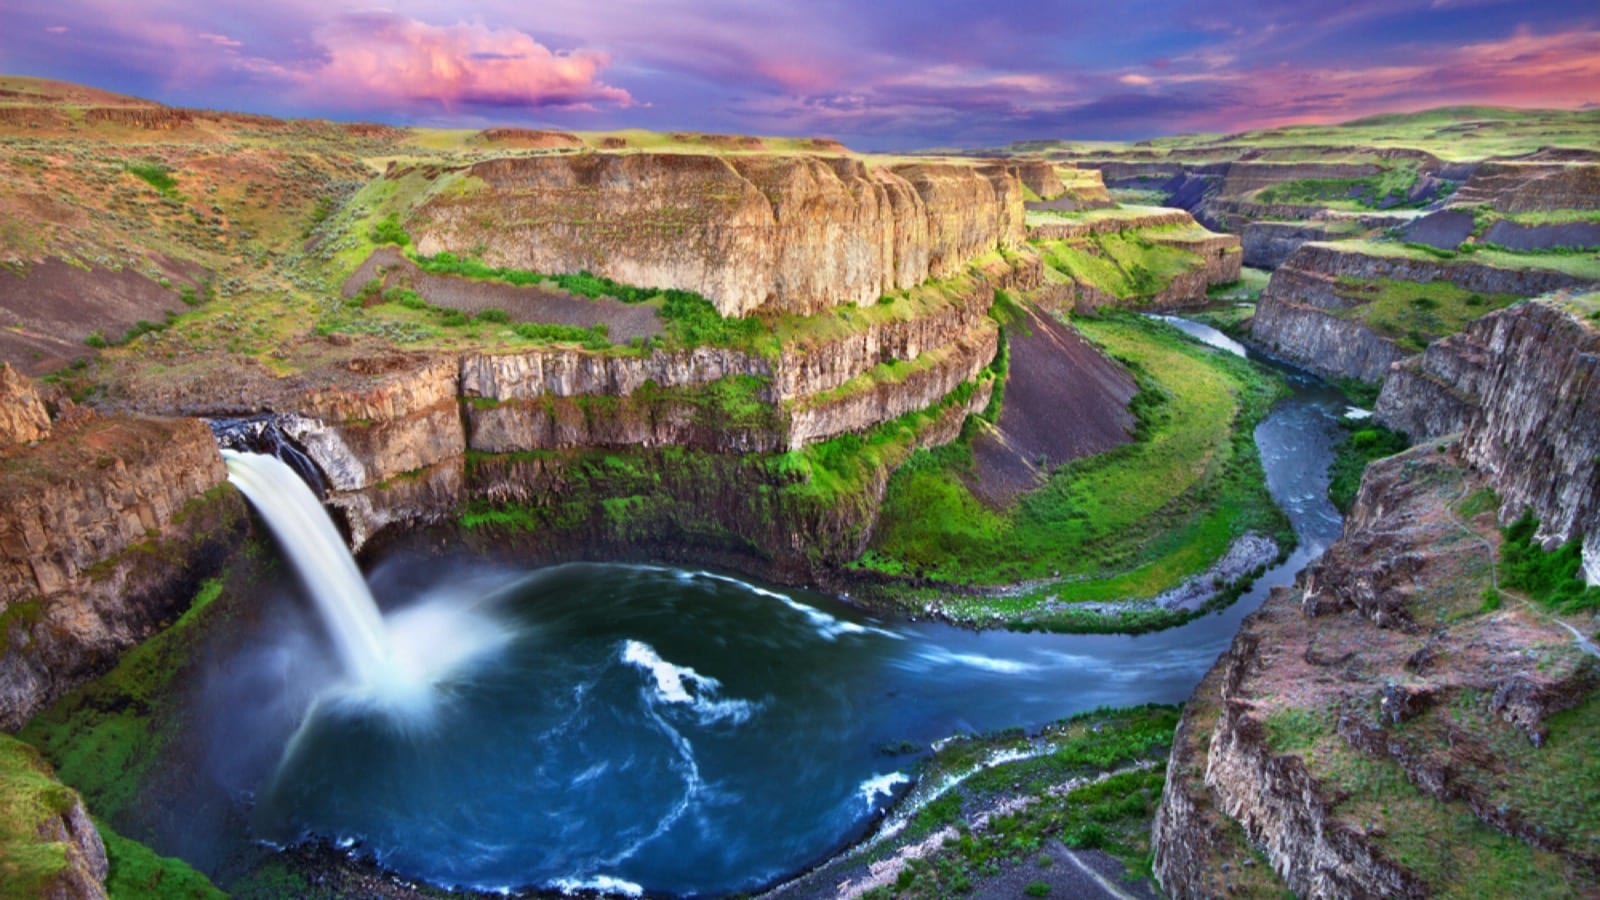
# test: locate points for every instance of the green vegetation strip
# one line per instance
(1553, 577)
(1112, 814)
(1365, 442)
(103, 737)
(1125, 524)
(1128, 265)
(1415, 314)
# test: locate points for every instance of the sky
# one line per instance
(877, 74)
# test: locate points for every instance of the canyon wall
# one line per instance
(1381, 704)
(793, 234)
(1304, 313)
(1523, 387)
(106, 529)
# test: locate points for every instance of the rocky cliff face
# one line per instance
(781, 234)
(1515, 187)
(1041, 178)
(1298, 315)
(1376, 709)
(1268, 245)
(105, 529)
(23, 417)
(1523, 386)
(52, 848)
(1381, 705)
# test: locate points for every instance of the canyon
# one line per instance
(544, 346)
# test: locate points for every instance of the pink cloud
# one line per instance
(383, 57)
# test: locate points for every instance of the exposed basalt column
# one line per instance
(1523, 384)
(760, 233)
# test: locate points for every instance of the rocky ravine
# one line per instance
(781, 234)
(1378, 729)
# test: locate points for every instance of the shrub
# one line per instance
(388, 231)
(1553, 577)
(96, 340)
(494, 314)
(1037, 889)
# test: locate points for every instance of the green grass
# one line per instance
(29, 798)
(1414, 314)
(1112, 815)
(1553, 577)
(1365, 441)
(1387, 189)
(1579, 265)
(1128, 265)
(690, 318)
(1443, 844)
(157, 175)
(1127, 523)
(139, 873)
(104, 736)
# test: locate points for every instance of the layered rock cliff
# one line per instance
(1383, 729)
(1305, 313)
(761, 233)
(1375, 730)
(1523, 387)
(105, 529)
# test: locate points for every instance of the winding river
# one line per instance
(669, 730)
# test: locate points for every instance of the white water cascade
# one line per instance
(392, 660)
(319, 557)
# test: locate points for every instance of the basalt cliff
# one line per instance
(762, 233)
(1400, 722)
(1350, 309)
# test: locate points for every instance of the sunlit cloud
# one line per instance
(382, 58)
(880, 76)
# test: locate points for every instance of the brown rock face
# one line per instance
(23, 417)
(105, 530)
(1041, 178)
(1522, 385)
(1298, 315)
(1514, 187)
(782, 234)
(1374, 703)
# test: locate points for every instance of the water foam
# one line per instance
(681, 685)
(938, 656)
(880, 785)
(826, 626)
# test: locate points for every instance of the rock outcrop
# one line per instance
(760, 233)
(1382, 701)
(1041, 178)
(1516, 187)
(23, 417)
(1303, 314)
(1523, 386)
(1268, 245)
(1375, 707)
(105, 530)
(50, 846)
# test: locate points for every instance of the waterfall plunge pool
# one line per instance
(645, 728)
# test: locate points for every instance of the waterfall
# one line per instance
(319, 557)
